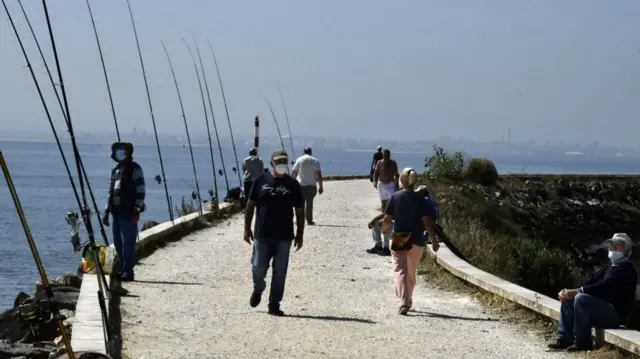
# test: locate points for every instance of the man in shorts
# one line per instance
(385, 178)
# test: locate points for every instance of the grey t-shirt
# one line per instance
(407, 208)
(252, 167)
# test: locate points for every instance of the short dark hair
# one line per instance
(307, 151)
(386, 152)
(253, 152)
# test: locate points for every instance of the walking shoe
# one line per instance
(254, 300)
(311, 223)
(558, 345)
(574, 348)
(385, 252)
(374, 250)
(276, 312)
(403, 310)
(126, 277)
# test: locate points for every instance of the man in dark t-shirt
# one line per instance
(275, 195)
(377, 156)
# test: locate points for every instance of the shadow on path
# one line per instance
(418, 313)
(332, 225)
(331, 318)
(165, 282)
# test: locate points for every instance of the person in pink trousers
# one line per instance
(411, 215)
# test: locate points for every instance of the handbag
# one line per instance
(401, 241)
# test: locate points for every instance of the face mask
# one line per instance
(615, 255)
(120, 155)
(281, 169)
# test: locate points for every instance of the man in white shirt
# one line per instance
(307, 171)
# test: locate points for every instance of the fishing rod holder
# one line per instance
(73, 220)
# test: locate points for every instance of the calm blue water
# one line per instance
(46, 195)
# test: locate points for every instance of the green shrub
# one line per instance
(186, 208)
(482, 171)
(444, 165)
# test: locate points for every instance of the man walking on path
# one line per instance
(252, 167)
(385, 178)
(275, 194)
(307, 171)
(125, 203)
(377, 156)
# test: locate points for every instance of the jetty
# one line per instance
(191, 299)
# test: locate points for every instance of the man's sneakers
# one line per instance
(374, 250)
(385, 252)
(558, 345)
(276, 312)
(254, 300)
(311, 223)
(125, 277)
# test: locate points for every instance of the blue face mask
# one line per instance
(615, 255)
(120, 155)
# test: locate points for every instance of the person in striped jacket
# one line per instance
(124, 204)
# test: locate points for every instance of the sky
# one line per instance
(548, 70)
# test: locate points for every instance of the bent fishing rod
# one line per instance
(153, 118)
(102, 281)
(286, 116)
(186, 127)
(213, 117)
(224, 99)
(35, 312)
(206, 121)
(104, 70)
(64, 115)
(276, 122)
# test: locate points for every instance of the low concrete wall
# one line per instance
(88, 334)
(626, 339)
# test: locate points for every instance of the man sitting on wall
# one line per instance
(604, 301)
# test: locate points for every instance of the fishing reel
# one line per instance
(220, 172)
(158, 179)
(213, 195)
(194, 195)
(73, 220)
(35, 313)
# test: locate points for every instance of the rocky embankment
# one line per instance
(572, 213)
(16, 337)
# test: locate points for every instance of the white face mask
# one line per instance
(281, 169)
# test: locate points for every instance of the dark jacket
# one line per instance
(617, 285)
(126, 189)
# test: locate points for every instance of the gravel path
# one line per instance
(339, 300)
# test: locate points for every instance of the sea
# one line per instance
(46, 195)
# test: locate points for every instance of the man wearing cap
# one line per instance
(385, 178)
(252, 167)
(125, 203)
(377, 156)
(307, 171)
(604, 301)
(275, 195)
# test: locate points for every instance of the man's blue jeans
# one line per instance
(381, 239)
(125, 233)
(263, 251)
(579, 315)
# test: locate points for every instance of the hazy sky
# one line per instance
(556, 70)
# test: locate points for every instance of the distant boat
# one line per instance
(574, 153)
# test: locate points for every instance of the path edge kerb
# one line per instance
(626, 339)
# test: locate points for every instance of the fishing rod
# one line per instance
(224, 99)
(186, 127)
(213, 117)
(276, 122)
(286, 116)
(53, 129)
(37, 311)
(153, 118)
(85, 212)
(206, 121)
(104, 70)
